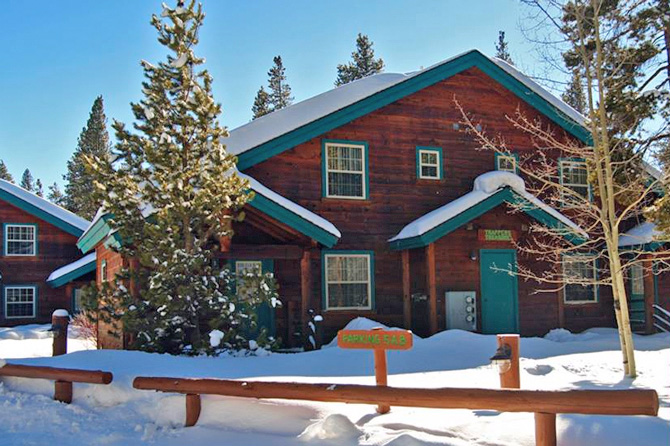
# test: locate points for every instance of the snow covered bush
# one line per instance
(85, 325)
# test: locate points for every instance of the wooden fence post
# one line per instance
(63, 391)
(510, 379)
(192, 409)
(381, 373)
(59, 322)
(545, 429)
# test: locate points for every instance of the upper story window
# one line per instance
(20, 302)
(507, 162)
(348, 281)
(579, 274)
(429, 163)
(20, 239)
(574, 176)
(345, 170)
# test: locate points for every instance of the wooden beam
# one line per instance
(292, 252)
(57, 374)
(406, 291)
(305, 290)
(431, 286)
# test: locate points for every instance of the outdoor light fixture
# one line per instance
(502, 359)
(473, 255)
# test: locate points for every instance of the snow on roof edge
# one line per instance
(640, 235)
(63, 270)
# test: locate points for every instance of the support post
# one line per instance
(192, 409)
(59, 322)
(431, 286)
(381, 374)
(63, 391)
(545, 429)
(511, 379)
(648, 295)
(406, 291)
(305, 288)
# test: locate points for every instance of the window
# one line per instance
(506, 162)
(20, 240)
(76, 300)
(242, 268)
(103, 271)
(345, 170)
(429, 163)
(574, 176)
(348, 281)
(579, 273)
(20, 302)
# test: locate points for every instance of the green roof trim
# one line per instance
(73, 275)
(504, 195)
(293, 220)
(39, 213)
(95, 234)
(405, 88)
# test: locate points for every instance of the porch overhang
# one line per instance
(72, 271)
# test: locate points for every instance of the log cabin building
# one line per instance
(41, 269)
(371, 201)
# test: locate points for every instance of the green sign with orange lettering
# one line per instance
(375, 339)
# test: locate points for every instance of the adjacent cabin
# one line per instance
(372, 201)
(41, 269)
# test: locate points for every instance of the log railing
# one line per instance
(545, 404)
(63, 378)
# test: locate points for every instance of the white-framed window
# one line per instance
(103, 271)
(579, 275)
(76, 300)
(348, 281)
(242, 269)
(574, 176)
(429, 163)
(20, 301)
(345, 173)
(506, 163)
(20, 239)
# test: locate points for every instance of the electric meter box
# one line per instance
(461, 310)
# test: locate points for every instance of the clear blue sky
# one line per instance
(59, 55)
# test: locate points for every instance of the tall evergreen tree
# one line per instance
(27, 181)
(261, 105)
(93, 141)
(574, 93)
(174, 167)
(55, 195)
(4, 173)
(363, 64)
(502, 48)
(39, 189)
(280, 90)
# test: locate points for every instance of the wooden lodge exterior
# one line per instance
(40, 265)
(336, 187)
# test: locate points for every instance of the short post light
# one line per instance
(506, 361)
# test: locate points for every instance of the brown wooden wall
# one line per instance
(425, 118)
(115, 262)
(55, 248)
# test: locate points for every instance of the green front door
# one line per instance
(499, 299)
(265, 314)
(637, 307)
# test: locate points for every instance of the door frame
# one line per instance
(515, 300)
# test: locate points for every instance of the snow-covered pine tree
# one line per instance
(574, 93)
(27, 181)
(280, 90)
(502, 48)
(261, 105)
(55, 195)
(4, 172)
(363, 64)
(173, 192)
(94, 141)
(39, 189)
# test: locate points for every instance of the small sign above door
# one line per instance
(496, 235)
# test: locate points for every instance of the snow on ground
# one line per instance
(119, 415)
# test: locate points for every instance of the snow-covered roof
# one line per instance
(280, 122)
(41, 208)
(293, 207)
(640, 235)
(72, 270)
(485, 186)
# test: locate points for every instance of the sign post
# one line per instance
(379, 341)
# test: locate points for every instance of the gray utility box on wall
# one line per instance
(461, 310)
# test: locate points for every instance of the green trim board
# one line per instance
(440, 162)
(504, 195)
(39, 213)
(73, 275)
(324, 170)
(370, 254)
(5, 241)
(402, 89)
(95, 234)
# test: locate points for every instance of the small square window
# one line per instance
(20, 240)
(429, 163)
(103, 271)
(242, 269)
(506, 163)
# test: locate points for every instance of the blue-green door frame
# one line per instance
(265, 314)
(496, 300)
